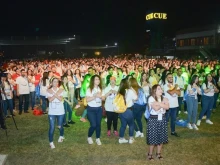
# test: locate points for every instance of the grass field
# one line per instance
(29, 145)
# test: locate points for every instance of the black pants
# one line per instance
(112, 117)
(77, 93)
(1, 114)
(26, 102)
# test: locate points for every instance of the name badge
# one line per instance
(160, 116)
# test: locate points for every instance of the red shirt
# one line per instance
(14, 77)
(37, 79)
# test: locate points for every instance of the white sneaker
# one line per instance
(106, 119)
(179, 112)
(142, 135)
(90, 141)
(61, 138)
(209, 122)
(52, 146)
(198, 122)
(122, 140)
(185, 112)
(195, 127)
(131, 140)
(189, 126)
(98, 142)
(204, 117)
(138, 134)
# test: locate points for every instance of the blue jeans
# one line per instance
(95, 117)
(192, 107)
(37, 94)
(32, 97)
(84, 113)
(52, 119)
(138, 111)
(68, 110)
(126, 118)
(7, 104)
(171, 113)
(44, 103)
(26, 102)
(215, 100)
(207, 105)
(180, 101)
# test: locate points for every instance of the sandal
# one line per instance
(150, 157)
(159, 156)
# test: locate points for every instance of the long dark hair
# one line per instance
(153, 92)
(51, 82)
(147, 80)
(64, 85)
(44, 78)
(66, 74)
(206, 80)
(193, 79)
(134, 84)
(92, 80)
(123, 86)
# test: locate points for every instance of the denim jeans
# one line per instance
(207, 105)
(44, 103)
(192, 107)
(126, 118)
(180, 101)
(171, 113)
(26, 102)
(32, 98)
(84, 113)
(68, 110)
(37, 94)
(7, 104)
(95, 117)
(138, 111)
(52, 119)
(215, 100)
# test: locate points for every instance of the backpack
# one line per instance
(119, 105)
(141, 97)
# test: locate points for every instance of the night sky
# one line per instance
(102, 22)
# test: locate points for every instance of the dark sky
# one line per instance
(101, 22)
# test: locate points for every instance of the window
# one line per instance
(181, 42)
(193, 42)
(206, 40)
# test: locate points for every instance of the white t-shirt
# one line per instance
(152, 111)
(130, 97)
(146, 89)
(96, 102)
(56, 106)
(7, 90)
(23, 85)
(110, 98)
(43, 89)
(211, 93)
(32, 85)
(173, 99)
(152, 81)
(194, 94)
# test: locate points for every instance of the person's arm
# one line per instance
(174, 91)
(18, 90)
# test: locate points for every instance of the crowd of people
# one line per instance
(164, 87)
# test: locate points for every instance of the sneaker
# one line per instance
(98, 142)
(185, 112)
(106, 120)
(175, 134)
(179, 112)
(66, 125)
(198, 122)
(116, 133)
(8, 116)
(199, 102)
(71, 122)
(52, 146)
(109, 133)
(204, 117)
(83, 120)
(3, 127)
(142, 135)
(195, 127)
(61, 138)
(138, 134)
(209, 122)
(131, 140)
(90, 141)
(189, 126)
(122, 140)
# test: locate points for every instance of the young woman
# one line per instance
(138, 107)
(145, 84)
(44, 85)
(209, 89)
(109, 95)
(56, 111)
(192, 101)
(157, 126)
(152, 78)
(94, 108)
(79, 79)
(66, 103)
(127, 117)
(13, 84)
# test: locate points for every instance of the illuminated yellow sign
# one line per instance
(97, 53)
(156, 16)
